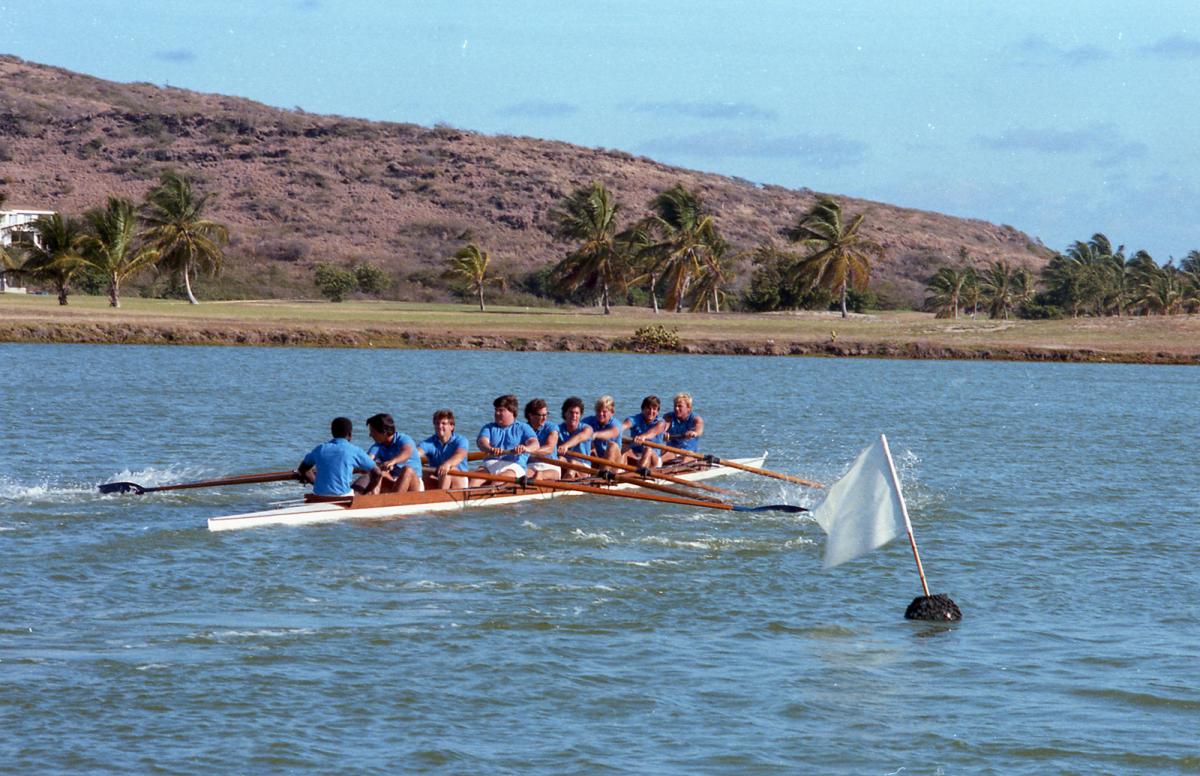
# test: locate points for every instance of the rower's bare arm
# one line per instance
(697, 430)
(551, 444)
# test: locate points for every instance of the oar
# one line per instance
(241, 479)
(654, 474)
(636, 479)
(730, 464)
(525, 482)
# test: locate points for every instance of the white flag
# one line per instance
(864, 509)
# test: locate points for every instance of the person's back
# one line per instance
(335, 462)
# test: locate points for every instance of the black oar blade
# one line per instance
(792, 508)
(122, 487)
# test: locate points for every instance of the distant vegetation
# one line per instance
(1089, 279)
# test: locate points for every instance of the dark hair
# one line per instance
(651, 401)
(533, 407)
(508, 401)
(341, 428)
(443, 414)
(382, 423)
(572, 401)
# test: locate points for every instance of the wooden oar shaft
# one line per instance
(656, 475)
(732, 464)
(635, 479)
(241, 479)
(559, 485)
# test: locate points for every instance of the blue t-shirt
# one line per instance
(601, 445)
(508, 437)
(543, 434)
(678, 428)
(386, 452)
(584, 447)
(638, 426)
(336, 461)
(437, 453)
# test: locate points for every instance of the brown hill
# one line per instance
(298, 188)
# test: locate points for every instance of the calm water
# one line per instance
(1057, 504)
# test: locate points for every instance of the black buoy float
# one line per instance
(937, 608)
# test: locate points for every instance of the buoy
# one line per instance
(938, 608)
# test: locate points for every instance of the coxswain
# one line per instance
(444, 454)
(330, 466)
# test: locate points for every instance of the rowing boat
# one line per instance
(389, 505)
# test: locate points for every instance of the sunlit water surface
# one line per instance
(1056, 504)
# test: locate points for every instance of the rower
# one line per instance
(642, 427)
(683, 427)
(396, 453)
(606, 431)
(446, 452)
(574, 436)
(335, 462)
(537, 414)
(506, 441)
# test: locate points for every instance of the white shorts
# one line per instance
(501, 466)
(538, 466)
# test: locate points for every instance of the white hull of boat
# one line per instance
(312, 513)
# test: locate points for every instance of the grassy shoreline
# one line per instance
(365, 324)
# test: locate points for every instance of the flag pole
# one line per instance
(904, 511)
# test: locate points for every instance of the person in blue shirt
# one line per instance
(505, 441)
(335, 461)
(396, 453)
(574, 436)
(683, 427)
(446, 452)
(538, 416)
(644, 426)
(606, 431)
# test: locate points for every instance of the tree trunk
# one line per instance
(62, 293)
(187, 283)
(481, 298)
(844, 313)
(114, 291)
(653, 294)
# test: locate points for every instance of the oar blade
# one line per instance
(122, 487)
(790, 508)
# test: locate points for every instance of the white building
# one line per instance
(14, 228)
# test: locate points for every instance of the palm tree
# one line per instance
(471, 265)
(1004, 288)
(54, 255)
(184, 239)
(685, 235)
(590, 215)
(111, 245)
(944, 292)
(709, 287)
(636, 245)
(839, 257)
(1161, 290)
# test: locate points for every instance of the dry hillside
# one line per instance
(298, 188)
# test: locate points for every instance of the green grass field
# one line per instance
(1178, 336)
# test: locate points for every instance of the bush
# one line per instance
(371, 279)
(654, 338)
(334, 282)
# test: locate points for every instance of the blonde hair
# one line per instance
(686, 398)
(605, 403)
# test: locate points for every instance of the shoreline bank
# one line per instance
(222, 333)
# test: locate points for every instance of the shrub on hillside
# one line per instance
(334, 282)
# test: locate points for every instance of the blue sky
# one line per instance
(1059, 119)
